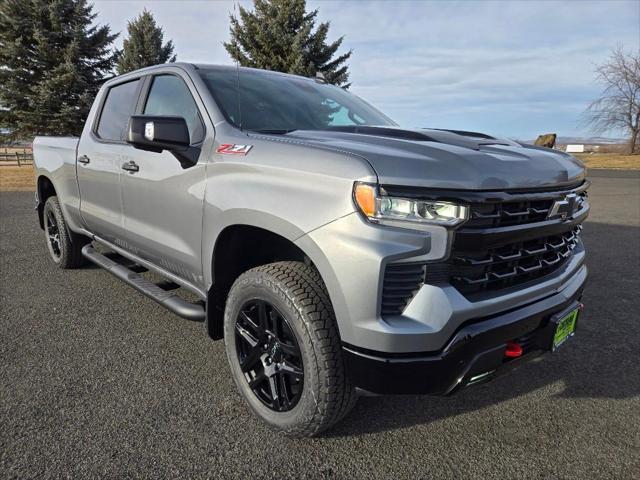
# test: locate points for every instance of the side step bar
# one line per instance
(166, 298)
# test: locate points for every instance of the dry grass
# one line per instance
(17, 179)
(610, 160)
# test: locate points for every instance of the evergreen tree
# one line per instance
(52, 62)
(144, 46)
(279, 35)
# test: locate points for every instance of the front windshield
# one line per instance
(277, 103)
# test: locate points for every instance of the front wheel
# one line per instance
(65, 247)
(284, 349)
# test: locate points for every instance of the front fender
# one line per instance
(241, 216)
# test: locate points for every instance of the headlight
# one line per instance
(391, 210)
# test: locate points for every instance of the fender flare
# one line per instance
(280, 227)
(247, 217)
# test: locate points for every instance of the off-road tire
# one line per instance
(298, 292)
(69, 254)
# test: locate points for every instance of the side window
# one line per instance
(169, 95)
(117, 108)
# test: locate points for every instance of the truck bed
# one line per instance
(54, 161)
(50, 153)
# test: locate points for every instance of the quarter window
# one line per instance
(170, 96)
(118, 107)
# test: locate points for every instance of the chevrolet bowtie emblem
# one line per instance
(563, 208)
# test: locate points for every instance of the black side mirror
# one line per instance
(155, 133)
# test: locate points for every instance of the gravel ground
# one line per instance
(98, 381)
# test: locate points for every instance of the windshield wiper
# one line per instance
(274, 131)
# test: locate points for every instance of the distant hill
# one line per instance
(591, 140)
(587, 141)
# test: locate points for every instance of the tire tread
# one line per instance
(302, 284)
(72, 243)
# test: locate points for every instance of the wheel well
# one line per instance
(45, 190)
(238, 249)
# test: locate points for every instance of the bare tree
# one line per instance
(618, 106)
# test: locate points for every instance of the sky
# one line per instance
(509, 68)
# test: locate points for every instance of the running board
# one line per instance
(165, 297)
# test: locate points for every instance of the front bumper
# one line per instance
(352, 256)
(475, 353)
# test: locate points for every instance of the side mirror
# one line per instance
(156, 133)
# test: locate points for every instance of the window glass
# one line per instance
(170, 96)
(270, 101)
(342, 116)
(118, 107)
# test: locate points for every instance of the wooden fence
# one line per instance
(24, 157)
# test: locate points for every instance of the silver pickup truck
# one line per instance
(331, 249)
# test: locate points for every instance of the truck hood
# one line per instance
(448, 159)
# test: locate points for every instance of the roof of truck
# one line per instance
(206, 66)
(211, 66)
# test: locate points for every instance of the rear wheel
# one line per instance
(284, 349)
(64, 246)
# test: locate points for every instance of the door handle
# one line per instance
(84, 159)
(130, 166)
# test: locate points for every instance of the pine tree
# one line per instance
(52, 62)
(144, 46)
(279, 35)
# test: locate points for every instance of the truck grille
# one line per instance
(511, 238)
(401, 282)
(512, 242)
(507, 265)
(501, 214)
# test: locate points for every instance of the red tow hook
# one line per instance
(513, 350)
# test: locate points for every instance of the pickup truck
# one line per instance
(332, 250)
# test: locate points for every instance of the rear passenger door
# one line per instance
(162, 200)
(100, 154)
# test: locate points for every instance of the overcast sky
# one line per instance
(516, 69)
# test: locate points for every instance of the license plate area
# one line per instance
(564, 326)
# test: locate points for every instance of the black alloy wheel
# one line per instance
(64, 246)
(53, 235)
(284, 349)
(269, 355)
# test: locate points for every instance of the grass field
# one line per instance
(610, 160)
(17, 179)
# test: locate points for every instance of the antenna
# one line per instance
(238, 76)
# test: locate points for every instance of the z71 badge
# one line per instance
(232, 149)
